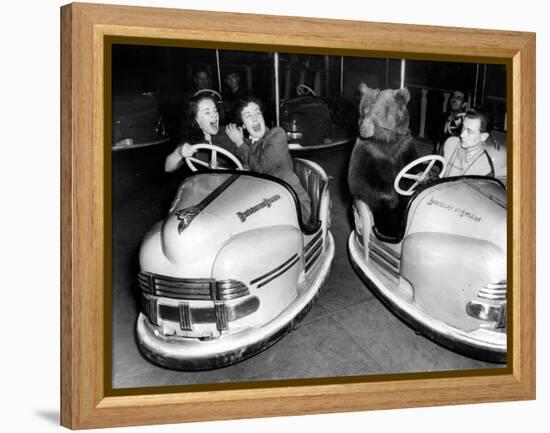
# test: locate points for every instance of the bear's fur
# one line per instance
(384, 147)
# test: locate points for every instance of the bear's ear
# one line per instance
(402, 96)
(365, 90)
(368, 98)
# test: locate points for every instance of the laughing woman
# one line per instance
(202, 125)
(266, 150)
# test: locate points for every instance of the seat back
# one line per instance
(314, 182)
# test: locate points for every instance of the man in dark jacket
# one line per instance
(451, 123)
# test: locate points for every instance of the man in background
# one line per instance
(235, 91)
(451, 124)
(201, 80)
(234, 94)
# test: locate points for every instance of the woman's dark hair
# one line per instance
(191, 131)
(237, 113)
(485, 119)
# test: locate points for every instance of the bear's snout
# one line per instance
(366, 128)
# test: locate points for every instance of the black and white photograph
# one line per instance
(281, 216)
(203, 231)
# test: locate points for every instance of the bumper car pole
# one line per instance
(277, 97)
(219, 72)
(403, 67)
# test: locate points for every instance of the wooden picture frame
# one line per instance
(86, 401)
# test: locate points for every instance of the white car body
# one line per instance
(495, 146)
(230, 270)
(446, 274)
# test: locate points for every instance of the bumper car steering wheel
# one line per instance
(303, 90)
(418, 178)
(213, 161)
(210, 92)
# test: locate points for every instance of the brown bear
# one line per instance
(383, 148)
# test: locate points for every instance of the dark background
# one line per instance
(168, 71)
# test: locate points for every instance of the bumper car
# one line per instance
(137, 121)
(313, 122)
(443, 271)
(496, 149)
(232, 268)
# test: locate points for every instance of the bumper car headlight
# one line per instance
(490, 304)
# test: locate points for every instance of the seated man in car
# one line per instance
(466, 155)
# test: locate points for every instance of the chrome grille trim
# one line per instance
(501, 324)
(221, 316)
(313, 260)
(373, 240)
(313, 240)
(494, 291)
(380, 252)
(193, 289)
(385, 257)
(153, 311)
(314, 250)
(391, 271)
(207, 314)
(185, 316)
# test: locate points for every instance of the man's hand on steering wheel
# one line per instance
(421, 178)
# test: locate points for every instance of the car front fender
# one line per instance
(269, 261)
(447, 271)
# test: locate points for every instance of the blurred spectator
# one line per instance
(451, 123)
(202, 79)
(235, 92)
